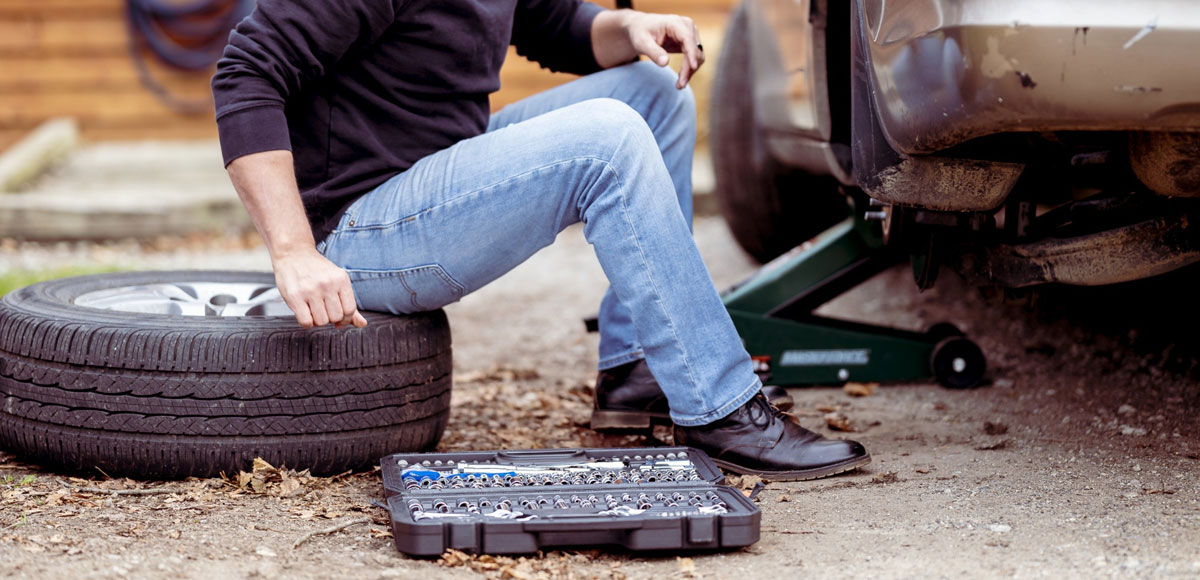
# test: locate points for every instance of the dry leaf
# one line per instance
(687, 567)
(290, 487)
(860, 389)
(785, 498)
(261, 466)
(839, 422)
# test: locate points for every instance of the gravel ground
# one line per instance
(1079, 460)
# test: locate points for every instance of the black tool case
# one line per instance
(519, 502)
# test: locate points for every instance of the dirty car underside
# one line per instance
(1021, 142)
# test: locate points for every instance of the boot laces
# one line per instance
(762, 413)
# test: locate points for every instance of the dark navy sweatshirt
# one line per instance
(359, 90)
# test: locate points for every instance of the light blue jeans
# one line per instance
(612, 150)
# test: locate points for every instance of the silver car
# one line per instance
(1021, 142)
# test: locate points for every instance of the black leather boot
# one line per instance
(757, 439)
(629, 399)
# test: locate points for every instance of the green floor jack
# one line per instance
(790, 345)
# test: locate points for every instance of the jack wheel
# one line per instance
(958, 363)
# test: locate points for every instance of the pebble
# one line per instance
(1126, 410)
(1000, 528)
(1135, 431)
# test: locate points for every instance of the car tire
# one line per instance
(95, 388)
(769, 207)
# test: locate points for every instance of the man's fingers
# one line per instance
(350, 308)
(333, 309)
(645, 44)
(319, 315)
(684, 32)
(303, 314)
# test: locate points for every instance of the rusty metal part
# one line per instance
(1167, 162)
(1122, 254)
(946, 71)
(944, 184)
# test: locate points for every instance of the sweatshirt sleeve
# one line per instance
(274, 53)
(556, 34)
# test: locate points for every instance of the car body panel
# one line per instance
(946, 71)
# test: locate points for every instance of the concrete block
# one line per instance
(28, 158)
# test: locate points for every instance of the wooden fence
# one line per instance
(71, 58)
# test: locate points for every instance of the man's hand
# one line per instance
(317, 290)
(620, 35)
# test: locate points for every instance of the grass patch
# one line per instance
(15, 279)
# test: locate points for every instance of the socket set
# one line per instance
(518, 502)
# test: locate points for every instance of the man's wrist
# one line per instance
(611, 41)
(285, 249)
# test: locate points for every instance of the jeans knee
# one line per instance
(612, 125)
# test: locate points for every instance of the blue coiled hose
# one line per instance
(187, 36)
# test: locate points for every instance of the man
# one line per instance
(359, 137)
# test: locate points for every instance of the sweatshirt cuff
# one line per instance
(581, 32)
(253, 130)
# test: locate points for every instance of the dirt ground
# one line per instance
(1078, 460)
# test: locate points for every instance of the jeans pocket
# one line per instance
(405, 291)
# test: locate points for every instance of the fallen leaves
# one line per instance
(687, 567)
(498, 373)
(860, 389)
(746, 484)
(266, 479)
(839, 422)
(544, 567)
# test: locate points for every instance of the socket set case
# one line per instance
(519, 502)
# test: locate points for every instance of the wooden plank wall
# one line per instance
(71, 58)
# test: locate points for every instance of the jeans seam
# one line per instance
(412, 295)
(457, 289)
(722, 411)
(691, 375)
(616, 361)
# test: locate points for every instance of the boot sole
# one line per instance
(634, 421)
(799, 475)
(627, 421)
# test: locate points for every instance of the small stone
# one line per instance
(1135, 431)
(1004, 383)
(1000, 528)
(1126, 410)
(1137, 467)
(265, 552)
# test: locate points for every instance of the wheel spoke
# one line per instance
(190, 299)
